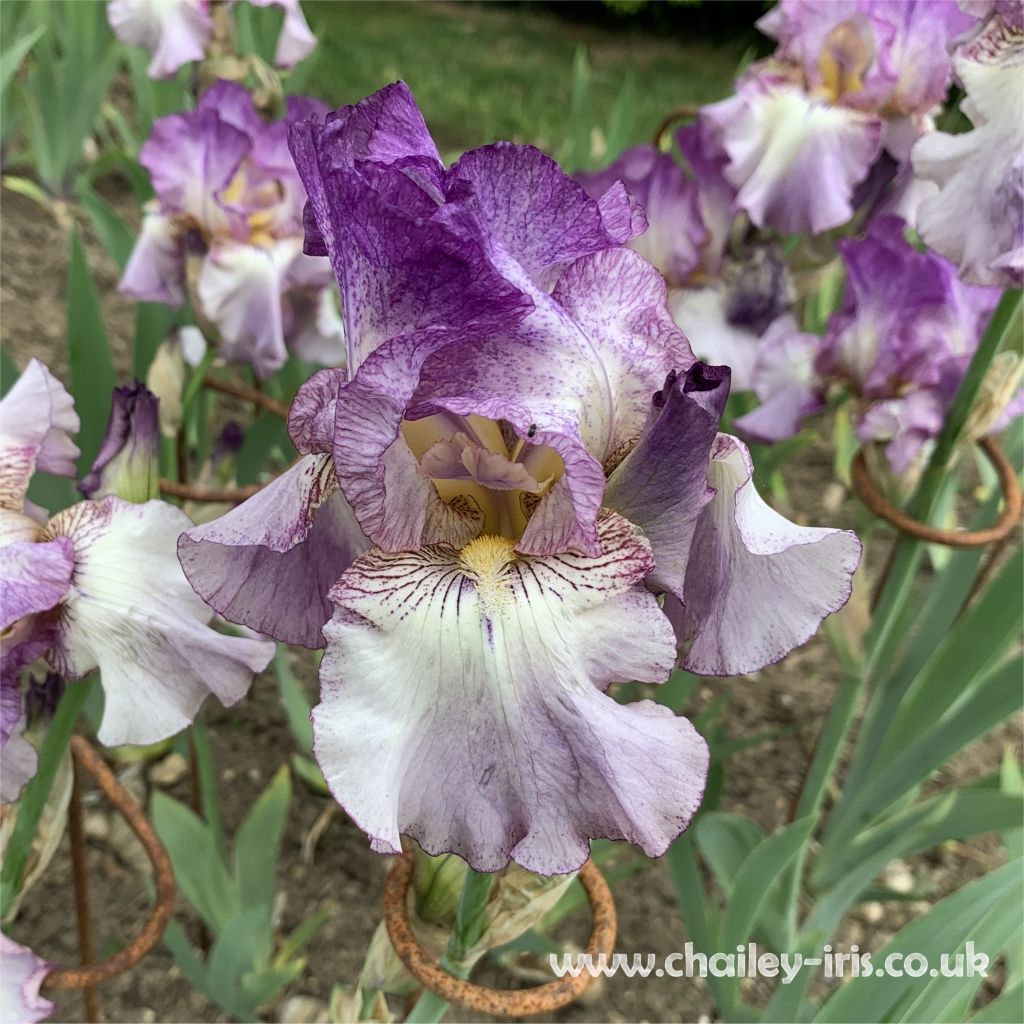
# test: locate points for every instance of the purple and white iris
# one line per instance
(977, 217)
(849, 80)
(723, 301)
(900, 343)
(98, 585)
(22, 975)
(178, 32)
(227, 226)
(490, 502)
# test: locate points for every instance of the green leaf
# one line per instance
(241, 947)
(676, 690)
(300, 935)
(199, 870)
(258, 843)
(8, 372)
(37, 791)
(581, 112)
(259, 987)
(186, 957)
(92, 372)
(1007, 1006)
(209, 800)
(307, 770)
(725, 841)
(622, 119)
(753, 880)
(985, 912)
(297, 706)
(984, 706)
(111, 229)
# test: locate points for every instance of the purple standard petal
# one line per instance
(156, 267)
(575, 378)
(662, 485)
(37, 419)
(977, 218)
(132, 614)
(795, 160)
(675, 230)
(398, 271)
(462, 704)
(756, 584)
(128, 463)
(33, 577)
(541, 217)
(177, 31)
(20, 979)
(269, 563)
(234, 105)
(190, 158)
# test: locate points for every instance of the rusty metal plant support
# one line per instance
(496, 1002)
(1003, 527)
(90, 974)
(196, 492)
(247, 394)
(684, 113)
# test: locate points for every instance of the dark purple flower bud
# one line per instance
(128, 463)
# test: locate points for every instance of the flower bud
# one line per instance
(128, 463)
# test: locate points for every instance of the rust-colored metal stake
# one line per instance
(247, 394)
(163, 906)
(80, 876)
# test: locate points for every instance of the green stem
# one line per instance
(37, 792)
(469, 929)
(885, 634)
(208, 782)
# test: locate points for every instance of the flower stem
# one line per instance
(469, 928)
(37, 792)
(895, 599)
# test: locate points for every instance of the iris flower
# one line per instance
(179, 31)
(848, 80)
(516, 479)
(22, 975)
(98, 584)
(227, 224)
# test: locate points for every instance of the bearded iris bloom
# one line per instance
(519, 467)
(900, 343)
(977, 217)
(179, 31)
(851, 81)
(724, 301)
(98, 584)
(227, 225)
(23, 974)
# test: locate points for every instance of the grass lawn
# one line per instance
(487, 71)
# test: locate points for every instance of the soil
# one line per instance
(252, 739)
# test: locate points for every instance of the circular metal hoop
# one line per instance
(495, 1001)
(1007, 522)
(163, 906)
(685, 113)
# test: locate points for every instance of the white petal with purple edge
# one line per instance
(37, 419)
(462, 703)
(132, 614)
(240, 291)
(177, 31)
(756, 584)
(296, 41)
(18, 762)
(795, 160)
(156, 267)
(269, 563)
(23, 972)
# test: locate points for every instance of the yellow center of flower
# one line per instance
(487, 561)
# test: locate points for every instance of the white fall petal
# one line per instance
(131, 613)
(463, 703)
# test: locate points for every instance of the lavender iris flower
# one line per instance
(490, 501)
(98, 584)
(849, 78)
(179, 31)
(900, 344)
(22, 975)
(228, 219)
(977, 217)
